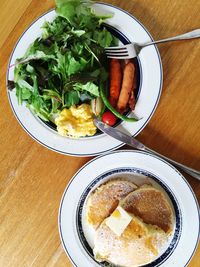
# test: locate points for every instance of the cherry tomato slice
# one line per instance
(109, 118)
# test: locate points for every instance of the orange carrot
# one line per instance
(127, 84)
(115, 81)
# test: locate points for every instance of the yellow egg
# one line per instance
(76, 121)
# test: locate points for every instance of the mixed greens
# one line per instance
(66, 65)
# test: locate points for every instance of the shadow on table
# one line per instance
(156, 141)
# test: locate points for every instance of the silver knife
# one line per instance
(129, 140)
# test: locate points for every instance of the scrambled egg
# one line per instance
(76, 121)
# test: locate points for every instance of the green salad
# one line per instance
(66, 65)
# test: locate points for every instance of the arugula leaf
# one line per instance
(96, 73)
(19, 94)
(18, 73)
(39, 55)
(35, 85)
(68, 65)
(67, 11)
(26, 94)
(37, 107)
(30, 69)
(74, 66)
(77, 32)
(55, 105)
(60, 3)
(71, 98)
(65, 65)
(104, 38)
(53, 94)
(89, 87)
(77, 49)
(54, 30)
(71, 9)
(23, 84)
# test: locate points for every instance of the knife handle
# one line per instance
(194, 173)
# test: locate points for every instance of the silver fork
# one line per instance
(133, 49)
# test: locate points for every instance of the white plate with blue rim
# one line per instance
(127, 28)
(139, 167)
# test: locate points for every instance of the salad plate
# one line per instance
(140, 168)
(149, 86)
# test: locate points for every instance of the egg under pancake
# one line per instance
(105, 199)
(139, 244)
(151, 206)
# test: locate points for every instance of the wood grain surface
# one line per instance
(33, 178)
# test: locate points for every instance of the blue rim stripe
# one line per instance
(115, 152)
(105, 151)
(178, 216)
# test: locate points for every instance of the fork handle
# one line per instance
(189, 35)
(194, 173)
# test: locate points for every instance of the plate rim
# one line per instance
(133, 170)
(136, 152)
(82, 154)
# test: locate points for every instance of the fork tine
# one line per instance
(119, 48)
(116, 52)
(119, 57)
(120, 52)
(116, 49)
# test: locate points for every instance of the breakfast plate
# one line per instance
(149, 88)
(140, 168)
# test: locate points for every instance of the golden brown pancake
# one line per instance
(104, 200)
(151, 206)
(139, 244)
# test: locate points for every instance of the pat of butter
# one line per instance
(118, 220)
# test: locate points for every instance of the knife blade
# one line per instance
(119, 135)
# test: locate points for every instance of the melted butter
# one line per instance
(116, 214)
(149, 244)
(136, 228)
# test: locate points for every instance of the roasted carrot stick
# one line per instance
(132, 100)
(127, 84)
(115, 81)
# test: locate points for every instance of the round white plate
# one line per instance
(128, 28)
(143, 167)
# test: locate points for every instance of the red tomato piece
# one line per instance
(109, 118)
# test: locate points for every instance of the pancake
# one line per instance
(151, 206)
(104, 200)
(139, 244)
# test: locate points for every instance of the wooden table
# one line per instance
(32, 178)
